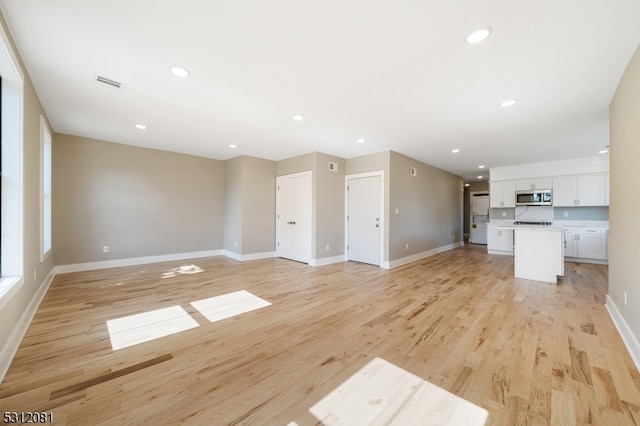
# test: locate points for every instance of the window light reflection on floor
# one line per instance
(139, 328)
(182, 270)
(143, 327)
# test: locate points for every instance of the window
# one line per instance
(11, 202)
(45, 189)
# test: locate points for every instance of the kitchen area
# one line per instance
(545, 214)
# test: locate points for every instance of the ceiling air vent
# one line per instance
(108, 82)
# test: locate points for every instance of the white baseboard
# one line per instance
(327, 260)
(20, 329)
(77, 267)
(421, 255)
(500, 252)
(630, 340)
(250, 256)
(585, 260)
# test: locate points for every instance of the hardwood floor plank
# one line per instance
(528, 352)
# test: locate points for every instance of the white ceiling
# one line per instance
(397, 73)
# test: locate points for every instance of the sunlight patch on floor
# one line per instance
(182, 270)
(229, 305)
(139, 328)
(382, 393)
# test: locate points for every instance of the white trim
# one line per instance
(383, 240)
(630, 340)
(44, 128)
(9, 286)
(585, 260)
(421, 255)
(20, 329)
(327, 260)
(250, 256)
(77, 267)
(12, 214)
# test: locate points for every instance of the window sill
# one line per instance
(8, 287)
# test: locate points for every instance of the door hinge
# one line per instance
(347, 246)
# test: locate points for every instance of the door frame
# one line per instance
(310, 227)
(383, 238)
(471, 195)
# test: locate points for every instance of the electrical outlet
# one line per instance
(406, 246)
(105, 249)
(565, 214)
(397, 211)
(453, 237)
(504, 214)
(235, 243)
(328, 247)
(625, 298)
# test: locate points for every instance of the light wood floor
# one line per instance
(528, 352)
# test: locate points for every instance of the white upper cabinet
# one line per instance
(591, 190)
(502, 194)
(539, 183)
(582, 190)
(565, 191)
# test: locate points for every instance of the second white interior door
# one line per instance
(364, 219)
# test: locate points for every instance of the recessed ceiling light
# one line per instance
(455, 151)
(361, 140)
(141, 126)
(603, 151)
(179, 71)
(479, 177)
(467, 184)
(233, 146)
(479, 35)
(482, 167)
(508, 103)
(298, 117)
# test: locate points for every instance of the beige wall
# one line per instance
(250, 205)
(429, 207)
(624, 243)
(137, 201)
(329, 207)
(233, 205)
(258, 205)
(12, 312)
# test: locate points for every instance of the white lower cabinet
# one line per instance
(500, 241)
(586, 243)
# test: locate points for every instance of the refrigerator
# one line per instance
(479, 219)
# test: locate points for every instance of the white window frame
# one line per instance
(12, 258)
(45, 190)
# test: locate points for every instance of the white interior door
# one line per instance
(364, 219)
(293, 217)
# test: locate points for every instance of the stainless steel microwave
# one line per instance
(538, 197)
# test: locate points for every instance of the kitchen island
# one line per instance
(538, 252)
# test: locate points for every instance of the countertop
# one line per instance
(556, 224)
